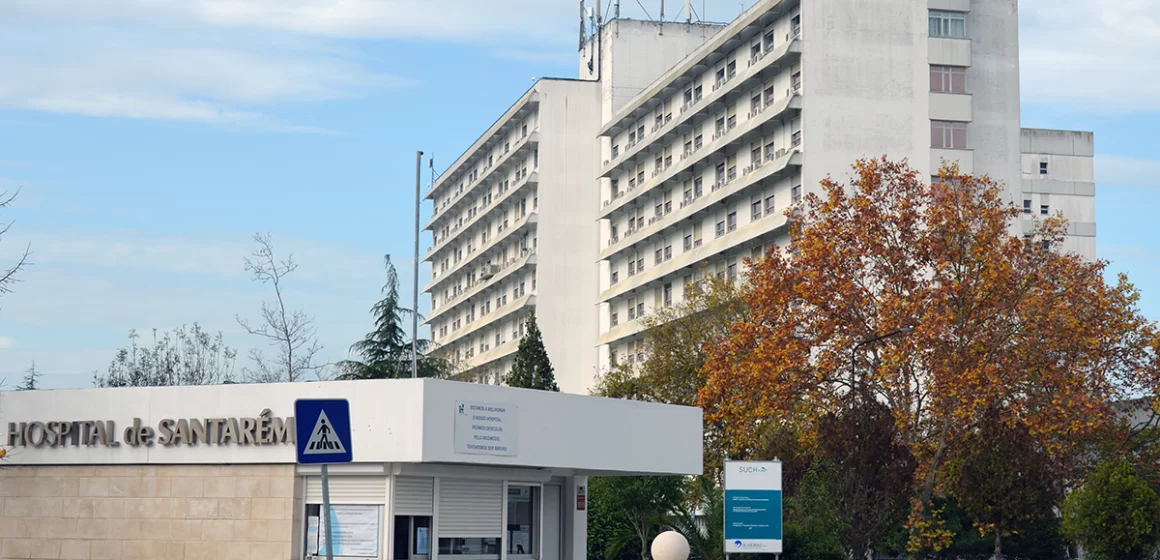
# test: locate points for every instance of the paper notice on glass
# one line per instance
(312, 535)
(355, 530)
(421, 540)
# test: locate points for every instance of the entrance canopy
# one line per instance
(392, 421)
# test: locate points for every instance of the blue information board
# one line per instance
(753, 507)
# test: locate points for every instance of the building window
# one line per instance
(720, 228)
(731, 272)
(796, 139)
(769, 205)
(754, 49)
(688, 242)
(796, 194)
(720, 125)
(615, 276)
(720, 75)
(668, 294)
(948, 79)
(698, 142)
(640, 132)
(1026, 206)
(1043, 209)
(615, 318)
(658, 255)
(755, 155)
(688, 96)
(697, 187)
(1043, 168)
(731, 69)
(640, 309)
(640, 177)
(756, 209)
(947, 24)
(668, 252)
(948, 134)
(632, 137)
(731, 221)
(631, 268)
(697, 93)
(615, 150)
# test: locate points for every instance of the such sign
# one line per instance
(753, 507)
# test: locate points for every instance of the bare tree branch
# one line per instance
(291, 333)
(8, 275)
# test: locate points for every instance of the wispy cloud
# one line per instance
(7, 342)
(1112, 170)
(1099, 56)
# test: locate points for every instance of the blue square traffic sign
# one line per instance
(322, 430)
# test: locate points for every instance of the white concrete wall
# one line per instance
(404, 421)
(993, 82)
(1068, 186)
(636, 53)
(866, 85)
(568, 230)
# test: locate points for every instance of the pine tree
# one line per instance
(386, 351)
(533, 369)
(30, 378)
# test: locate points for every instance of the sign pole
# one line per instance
(326, 512)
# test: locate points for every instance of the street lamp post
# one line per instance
(854, 351)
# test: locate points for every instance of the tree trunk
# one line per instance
(998, 544)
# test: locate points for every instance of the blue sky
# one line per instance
(151, 138)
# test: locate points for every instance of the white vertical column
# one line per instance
(575, 521)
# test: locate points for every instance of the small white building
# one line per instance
(210, 472)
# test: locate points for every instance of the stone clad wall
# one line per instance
(164, 512)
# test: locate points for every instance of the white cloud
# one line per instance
(1091, 54)
(7, 342)
(538, 20)
(143, 76)
(1125, 171)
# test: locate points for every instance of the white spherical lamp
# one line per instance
(670, 545)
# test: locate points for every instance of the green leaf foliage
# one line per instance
(637, 509)
(532, 368)
(1115, 515)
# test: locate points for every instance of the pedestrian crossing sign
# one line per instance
(322, 430)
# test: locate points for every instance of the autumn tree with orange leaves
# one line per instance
(1001, 322)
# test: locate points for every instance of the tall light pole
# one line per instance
(415, 294)
(854, 351)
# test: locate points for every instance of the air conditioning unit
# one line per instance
(489, 270)
(781, 152)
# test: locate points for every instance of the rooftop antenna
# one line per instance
(583, 35)
(662, 19)
(688, 11)
(616, 9)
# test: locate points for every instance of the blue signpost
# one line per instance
(322, 435)
(753, 507)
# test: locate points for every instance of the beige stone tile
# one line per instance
(282, 487)
(252, 487)
(169, 551)
(188, 487)
(45, 548)
(9, 487)
(248, 531)
(17, 548)
(20, 472)
(72, 549)
(33, 507)
(167, 508)
(186, 529)
(9, 527)
(124, 529)
(109, 508)
(137, 550)
(234, 508)
(77, 507)
(70, 487)
(105, 550)
(273, 508)
(44, 528)
(220, 487)
(206, 471)
(137, 508)
(196, 508)
(120, 487)
(149, 488)
(92, 528)
(94, 487)
(217, 530)
(269, 551)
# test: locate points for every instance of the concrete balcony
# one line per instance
(493, 354)
(785, 55)
(951, 107)
(501, 272)
(945, 51)
(497, 315)
(507, 122)
(473, 259)
(965, 159)
(532, 180)
(774, 169)
(779, 111)
(776, 225)
(524, 146)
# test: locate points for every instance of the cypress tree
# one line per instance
(532, 369)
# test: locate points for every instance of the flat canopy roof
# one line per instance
(392, 421)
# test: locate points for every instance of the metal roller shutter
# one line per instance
(470, 508)
(414, 496)
(348, 490)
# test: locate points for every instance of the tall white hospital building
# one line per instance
(595, 200)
